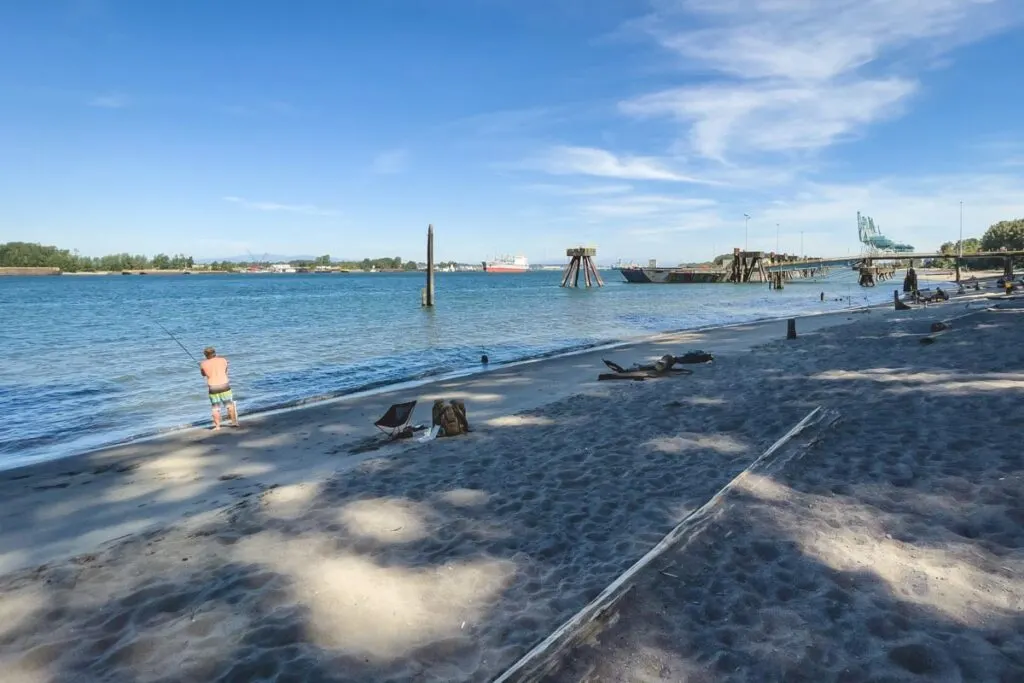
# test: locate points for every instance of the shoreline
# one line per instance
(195, 471)
(289, 549)
(425, 379)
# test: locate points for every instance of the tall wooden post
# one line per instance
(429, 298)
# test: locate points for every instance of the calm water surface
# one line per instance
(85, 363)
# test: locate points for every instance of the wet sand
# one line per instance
(297, 550)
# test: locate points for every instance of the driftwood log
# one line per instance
(546, 655)
(635, 376)
(662, 367)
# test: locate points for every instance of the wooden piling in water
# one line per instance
(581, 259)
(428, 295)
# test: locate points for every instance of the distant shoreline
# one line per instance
(52, 272)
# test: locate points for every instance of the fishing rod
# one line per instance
(176, 341)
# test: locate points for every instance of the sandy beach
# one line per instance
(892, 551)
(302, 549)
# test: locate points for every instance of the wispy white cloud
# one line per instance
(390, 162)
(794, 75)
(272, 107)
(307, 209)
(110, 101)
(773, 117)
(651, 206)
(590, 161)
(923, 211)
(578, 190)
(514, 122)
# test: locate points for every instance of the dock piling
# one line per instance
(428, 293)
(791, 328)
(581, 259)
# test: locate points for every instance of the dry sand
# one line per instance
(894, 551)
(447, 561)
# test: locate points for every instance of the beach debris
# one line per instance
(900, 306)
(939, 326)
(693, 357)
(635, 376)
(660, 368)
(430, 434)
(450, 417)
(791, 328)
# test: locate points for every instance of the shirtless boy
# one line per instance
(215, 370)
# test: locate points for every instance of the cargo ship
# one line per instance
(507, 264)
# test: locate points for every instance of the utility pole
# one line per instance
(960, 244)
(746, 231)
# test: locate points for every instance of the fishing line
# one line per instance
(176, 341)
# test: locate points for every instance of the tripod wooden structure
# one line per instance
(581, 259)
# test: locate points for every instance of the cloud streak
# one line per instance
(580, 190)
(305, 209)
(801, 75)
(591, 161)
(390, 162)
(110, 101)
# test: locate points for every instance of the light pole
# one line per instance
(776, 238)
(801, 244)
(960, 244)
(746, 224)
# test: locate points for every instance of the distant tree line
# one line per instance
(1001, 236)
(366, 264)
(32, 255)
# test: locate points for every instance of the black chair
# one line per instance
(396, 421)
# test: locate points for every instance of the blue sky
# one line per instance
(646, 128)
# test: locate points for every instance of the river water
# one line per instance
(85, 362)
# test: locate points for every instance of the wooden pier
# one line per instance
(581, 259)
(882, 266)
(775, 269)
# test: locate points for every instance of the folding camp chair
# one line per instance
(396, 421)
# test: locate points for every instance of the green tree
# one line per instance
(324, 260)
(409, 265)
(1008, 235)
(32, 255)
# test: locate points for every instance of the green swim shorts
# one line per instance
(221, 398)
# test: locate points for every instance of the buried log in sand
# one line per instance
(544, 657)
